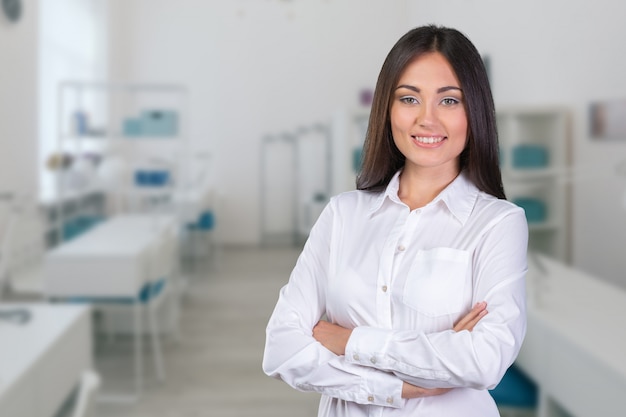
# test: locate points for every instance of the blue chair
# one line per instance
(202, 232)
(516, 395)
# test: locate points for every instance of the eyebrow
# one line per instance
(439, 90)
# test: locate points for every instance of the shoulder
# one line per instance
(497, 209)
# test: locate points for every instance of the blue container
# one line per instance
(142, 177)
(534, 208)
(159, 123)
(151, 178)
(159, 178)
(530, 156)
(132, 127)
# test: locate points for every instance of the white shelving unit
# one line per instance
(137, 131)
(535, 156)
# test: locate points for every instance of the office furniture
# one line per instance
(23, 248)
(534, 154)
(72, 215)
(575, 347)
(295, 182)
(127, 259)
(44, 353)
(87, 393)
(135, 133)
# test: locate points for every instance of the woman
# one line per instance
(385, 311)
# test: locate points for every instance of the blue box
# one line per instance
(152, 178)
(131, 127)
(534, 208)
(159, 123)
(530, 156)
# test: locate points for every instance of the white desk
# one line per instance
(115, 259)
(575, 347)
(42, 360)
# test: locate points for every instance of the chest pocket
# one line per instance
(436, 282)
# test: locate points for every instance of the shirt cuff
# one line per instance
(366, 345)
(383, 389)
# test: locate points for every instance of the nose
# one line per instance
(426, 115)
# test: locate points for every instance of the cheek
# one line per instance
(460, 128)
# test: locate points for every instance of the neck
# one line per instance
(417, 189)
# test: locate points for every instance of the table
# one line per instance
(42, 360)
(575, 347)
(116, 259)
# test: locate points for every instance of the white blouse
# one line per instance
(401, 279)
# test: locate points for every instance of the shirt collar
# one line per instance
(459, 196)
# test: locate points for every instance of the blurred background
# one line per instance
(225, 126)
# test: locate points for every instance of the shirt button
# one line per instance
(373, 359)
(370, 398)
(401, 248)
(384, 288)
(390, 400)
(355, 357)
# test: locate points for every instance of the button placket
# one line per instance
(386, 267)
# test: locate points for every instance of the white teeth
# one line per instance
(428, 139)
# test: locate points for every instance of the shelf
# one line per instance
(526, 174)
(535, 162)
(135, 127)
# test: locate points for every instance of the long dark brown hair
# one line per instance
(381, 157)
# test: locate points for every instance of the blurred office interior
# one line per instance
(219, 130)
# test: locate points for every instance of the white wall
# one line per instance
(253, 68)
(18, 101)
(558, 52)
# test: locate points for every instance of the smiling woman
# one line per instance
(386, 308)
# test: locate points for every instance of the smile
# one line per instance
(429, 139)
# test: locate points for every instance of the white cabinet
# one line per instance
(124, 141)
(43, 357)
(535, 157)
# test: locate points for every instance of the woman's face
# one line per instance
(428, 119)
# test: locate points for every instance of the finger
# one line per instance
(470, 325)
(475, 314)
(478, 307)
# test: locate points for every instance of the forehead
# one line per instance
(429, 68)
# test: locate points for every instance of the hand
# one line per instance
(332, 336)
(412, 391)
(470, 319)
(467, 322)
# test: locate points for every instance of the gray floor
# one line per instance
(214, 368)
